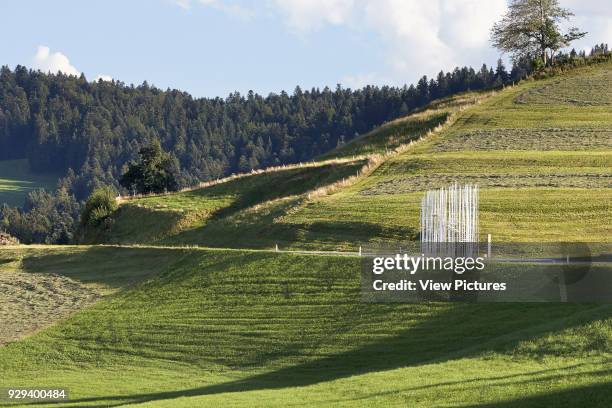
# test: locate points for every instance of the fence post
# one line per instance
(359, 250)
(489, 246)
(276, 247)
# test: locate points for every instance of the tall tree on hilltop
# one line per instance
(501, 75)
(155, 172)
(530, 28)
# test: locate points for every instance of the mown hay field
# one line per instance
(245, 328)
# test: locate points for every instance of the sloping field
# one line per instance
(218, 327)
(162, 218)
(31, 302)
(408, 128)
(16, 181)
(249, 211)
(575, 89)
(544, 166)
(539, 181)
(254, 328)
(40, 286)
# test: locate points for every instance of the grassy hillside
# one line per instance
(16, 181)
(255, 328)
(407, 129)
(544, 165)
(162, 218)
(249, 211)
(176, 326)
(64, 281)
(545, 168)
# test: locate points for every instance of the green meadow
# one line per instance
(252, 328)
(536, 184)
(182, 300)
(544, 167)
(16, 181)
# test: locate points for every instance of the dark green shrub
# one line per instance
(99, 206)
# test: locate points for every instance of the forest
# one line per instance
(88, 132)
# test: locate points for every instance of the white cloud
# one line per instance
(426, 36)
(307, 15)
(594, 16)
(411, 33)
(588, 8)
(46, 61)
(103, 77)
(231, 8)
(419, 36)
(466, 23)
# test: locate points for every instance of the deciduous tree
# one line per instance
(531, 29)
(155, 172)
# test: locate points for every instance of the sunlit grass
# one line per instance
(16, 181)
(216, 327)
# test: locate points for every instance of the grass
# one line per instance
(494, 169)
(254, 328)
(16, 181)
(406, 129)
(243, 211)
(538, 139)
(152, 219)
(392, 135)
(205, 327)
(43, 285)
(537, 185)
(510, 215)
(574, 89)
(544, 170)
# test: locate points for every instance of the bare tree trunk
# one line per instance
(542, 33)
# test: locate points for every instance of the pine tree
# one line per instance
(501, 75)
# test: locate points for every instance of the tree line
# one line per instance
(90, 133)
(87, 131)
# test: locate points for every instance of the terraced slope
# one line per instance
(161, 218)
(250, 211)
(206, 327)
(545, 166)
(218, 328)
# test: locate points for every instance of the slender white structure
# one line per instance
(449, 216)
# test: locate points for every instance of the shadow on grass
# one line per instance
(170, 218)
(424, 334)
(114, 267)
(264, 228)
(426, 344)
(259, 232)
(259, 188)
(510, 380)
(592, 396)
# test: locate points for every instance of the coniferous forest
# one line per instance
(88, 132)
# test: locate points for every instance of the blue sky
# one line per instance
(213, 47)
